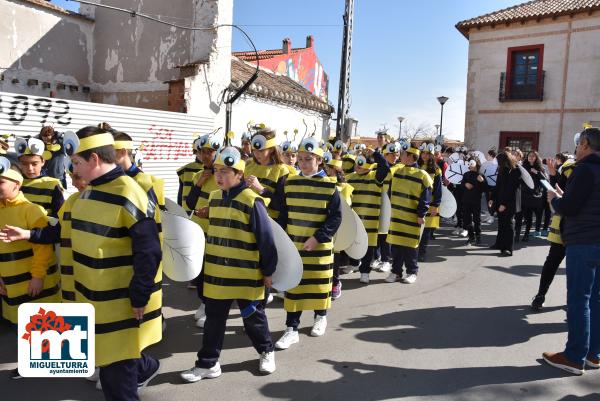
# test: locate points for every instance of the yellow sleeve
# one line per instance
(42, 254)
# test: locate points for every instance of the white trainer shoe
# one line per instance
(269, 298)
(266, 363)
(385, 267)
(319, 326)
(392, 278)
(464, 233)
(410, 279)
(364, 278)
(196, 374)
(201, 312)
(375, 264)
(290, 336)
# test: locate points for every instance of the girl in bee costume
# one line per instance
(267, 173)
(185, 175)
(240, 259)
(311, 214)
(116, 256)
(432, 219)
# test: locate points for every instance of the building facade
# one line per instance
(533, 75)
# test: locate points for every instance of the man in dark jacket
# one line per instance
(579, 207)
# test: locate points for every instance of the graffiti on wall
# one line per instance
(163, 146)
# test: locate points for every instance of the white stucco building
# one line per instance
(533, 75)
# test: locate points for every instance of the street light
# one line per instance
(400, 119)
(437, 129)
(442, 100)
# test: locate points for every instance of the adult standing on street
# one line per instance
(504, 199)
(579, 207)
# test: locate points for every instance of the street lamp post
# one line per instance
(400, 119)
(442, 100)
(437, 129)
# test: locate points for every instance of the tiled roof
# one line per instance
(263, 54)
(529, 11)
(275, 87)
(47, 4)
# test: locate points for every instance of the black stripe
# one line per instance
(405, 222)
(66, 216)
(102, 263)
(105, 328)
(403, 234)
(66, 243)
(366, 192)
(44, 205)
(26, 298)
(399, 175)
(366, 205)
(17, 278)
(52, 269)
(68, 295)
(37, 191)
(66, 270)
(405, 196)
(242, 207)
(362, 217)
(306, 209)
(231, 262)
(188, 184)
(316, 268)
(305, 223)
(308, 195)
(232, 243)
(299, 297)
(404, 209)
(298, 238)
(228, 223)
(99, 229)
(204, 195)
(315, 281)
(311, 183)
(119, 200)
(267, 182)
(315, 254)
(371, 230)
(555, 231)
(108, 295)
(14, 256)
(233, 282)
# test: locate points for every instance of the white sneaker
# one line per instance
(464, 233)
(385, 267)
(392, 278)
(410, 279)
(375, 264)
(196, 374)
(266, 363)
(290, 336)
(319, 326)
(269, 298)
(201, 312)
(95, 377)
(364, 278)
(200, 322)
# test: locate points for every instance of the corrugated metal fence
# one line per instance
(165, 137)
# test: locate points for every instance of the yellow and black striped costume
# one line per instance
(67, 284)
(103, 267)
(268, 176)
(40, 190)
(22, 260)
(208, 186)
(554, 234)
(408, 183)
(433, 221)
(231, 264)
(307, 200)
(366, 201)
(185, 174)
(348, 162)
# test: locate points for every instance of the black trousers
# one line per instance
(365, 263)
(120, 379)
(518, 222)
(404, 255)
(385, 249)
(217, 311)
(199, 283)
(547, 215)
(458, 194)
(339, 259)
(505, 237)
(293, 318)
(425, 237)
(472, 218)
(529, 212)
(553, 260)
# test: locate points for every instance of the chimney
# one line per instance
(287, 46)
(310, 41)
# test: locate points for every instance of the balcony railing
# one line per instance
(529, 92)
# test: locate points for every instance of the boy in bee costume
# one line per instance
(37, 188)
(432, 218)
(311, 214)
(289, 154)
(239, 262)
(411, 193)
(116, 256)
(186, 173)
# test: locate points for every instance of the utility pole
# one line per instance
(344, 93)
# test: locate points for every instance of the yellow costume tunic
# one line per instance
(103, 267)
(433, 221)
(408, 183)
(209, 186)
(307, 200)
(185, 174)
(67, 284)
(22, 260)
(554, 234)
(268, 176)
(366, 201)
(40, 190)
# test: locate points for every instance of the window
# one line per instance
(525, 141)
(524, 74)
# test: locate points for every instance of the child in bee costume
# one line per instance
(411, 193)
(37, 188)
(55, 151)
(311, 214)
(28, 272)
(432, 218)
(116, 256)
(240, 259)
(333, 168)
(289, 154)
(197, 200)
(185, 175)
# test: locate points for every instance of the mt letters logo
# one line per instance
(56, 340)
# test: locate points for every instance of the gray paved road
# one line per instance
(464, 331)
